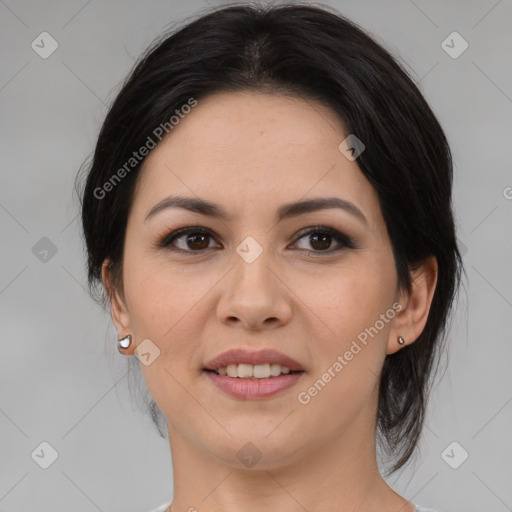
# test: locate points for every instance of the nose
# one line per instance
(254, 296)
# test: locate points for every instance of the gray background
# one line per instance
(61, 380)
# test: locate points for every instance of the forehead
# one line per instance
(244, 148)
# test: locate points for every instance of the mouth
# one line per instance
(253, 388)
(245, 363)
(253, 372)
(247, 374)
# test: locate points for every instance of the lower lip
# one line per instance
(254, 388)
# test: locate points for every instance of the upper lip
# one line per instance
(244, 356)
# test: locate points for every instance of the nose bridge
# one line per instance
(253, 294)
(252, 262)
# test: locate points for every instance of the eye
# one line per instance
(192, 239)
(197, 239)
(321, 238)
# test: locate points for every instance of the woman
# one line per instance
(269, 213)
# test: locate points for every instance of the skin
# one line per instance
(250, 153)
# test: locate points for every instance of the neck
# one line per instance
(337, 474)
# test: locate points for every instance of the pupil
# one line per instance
(192, 239)
(323, 245)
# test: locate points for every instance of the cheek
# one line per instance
(350, 354)
(149, 296)
(158, 293)
(351, 298)
(351, 305)
(161, 302)
(169, 305)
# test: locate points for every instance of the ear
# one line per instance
(412, 318)
(118, 309)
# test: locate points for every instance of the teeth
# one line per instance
(249, 371)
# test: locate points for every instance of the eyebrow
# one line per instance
(286, 211)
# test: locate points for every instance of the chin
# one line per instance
(256, 449)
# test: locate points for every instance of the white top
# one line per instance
(165, 506)
(161, 508)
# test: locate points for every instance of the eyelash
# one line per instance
(338, 237)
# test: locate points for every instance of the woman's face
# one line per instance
(257, 281)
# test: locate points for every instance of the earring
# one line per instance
(401, 341)
(124, 342)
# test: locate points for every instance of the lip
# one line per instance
(253, 389)
(244, 356)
